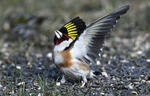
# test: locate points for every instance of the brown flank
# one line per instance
(67, 59)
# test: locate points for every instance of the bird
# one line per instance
(77, 46)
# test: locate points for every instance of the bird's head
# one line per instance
(68, 34)
(61, 41)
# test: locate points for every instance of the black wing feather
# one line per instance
(103, 27)
(94, 35)
(79, 25)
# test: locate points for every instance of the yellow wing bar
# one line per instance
(72, 30)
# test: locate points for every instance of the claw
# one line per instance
(83, 82)
(83, 85)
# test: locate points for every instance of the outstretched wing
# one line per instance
(73, 28)
(91, 40)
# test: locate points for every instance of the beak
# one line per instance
(58, 34)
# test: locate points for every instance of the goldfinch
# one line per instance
(77, 46)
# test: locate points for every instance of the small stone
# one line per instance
(133, 67)
(143, 81)
(139, 52)
(21, 83)
(39, 88)
(148, 81)
(114, 78)
(57, 83)
(109, 62)
(102, 94)
(49, 55)
(124, 61)
(7, 60)
(5, 89)
(148, 60)
(18, 67)
(1, 86)
(105, 74)
(99, 55)
(134, 92)
(38, 55)
(40, 94)
(12, 92)
(29, 64)
(104, 55)
(130, 86)
(142, 75)
(98, 62)
(6, 26)
(1, 62)
(36, 85)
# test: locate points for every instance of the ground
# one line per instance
(26, 66)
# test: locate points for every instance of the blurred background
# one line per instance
(34, 21)
(26, 41)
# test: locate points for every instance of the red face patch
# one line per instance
(59, 41)
(63, 38)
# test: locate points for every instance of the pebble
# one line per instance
(102, 94)
(105, 74)
(139, 52)
(134, 92)
(148, 81)
(38, 55)
(98, 62)
(5, 89)
(1, 62)
(104, 55)
(57, 83)
(21, 83)
(49, 55)
(18, 67)
(124, 61)
(39, 88)
(148, 60)
(1, 86)
(130, 86)
(143, 81)
(40, 94)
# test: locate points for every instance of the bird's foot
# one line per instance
(83, 84)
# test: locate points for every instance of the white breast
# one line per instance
(58, 58)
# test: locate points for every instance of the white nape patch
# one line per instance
(60, 47)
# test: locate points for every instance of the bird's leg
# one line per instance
(84, 81)
(63, 80)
